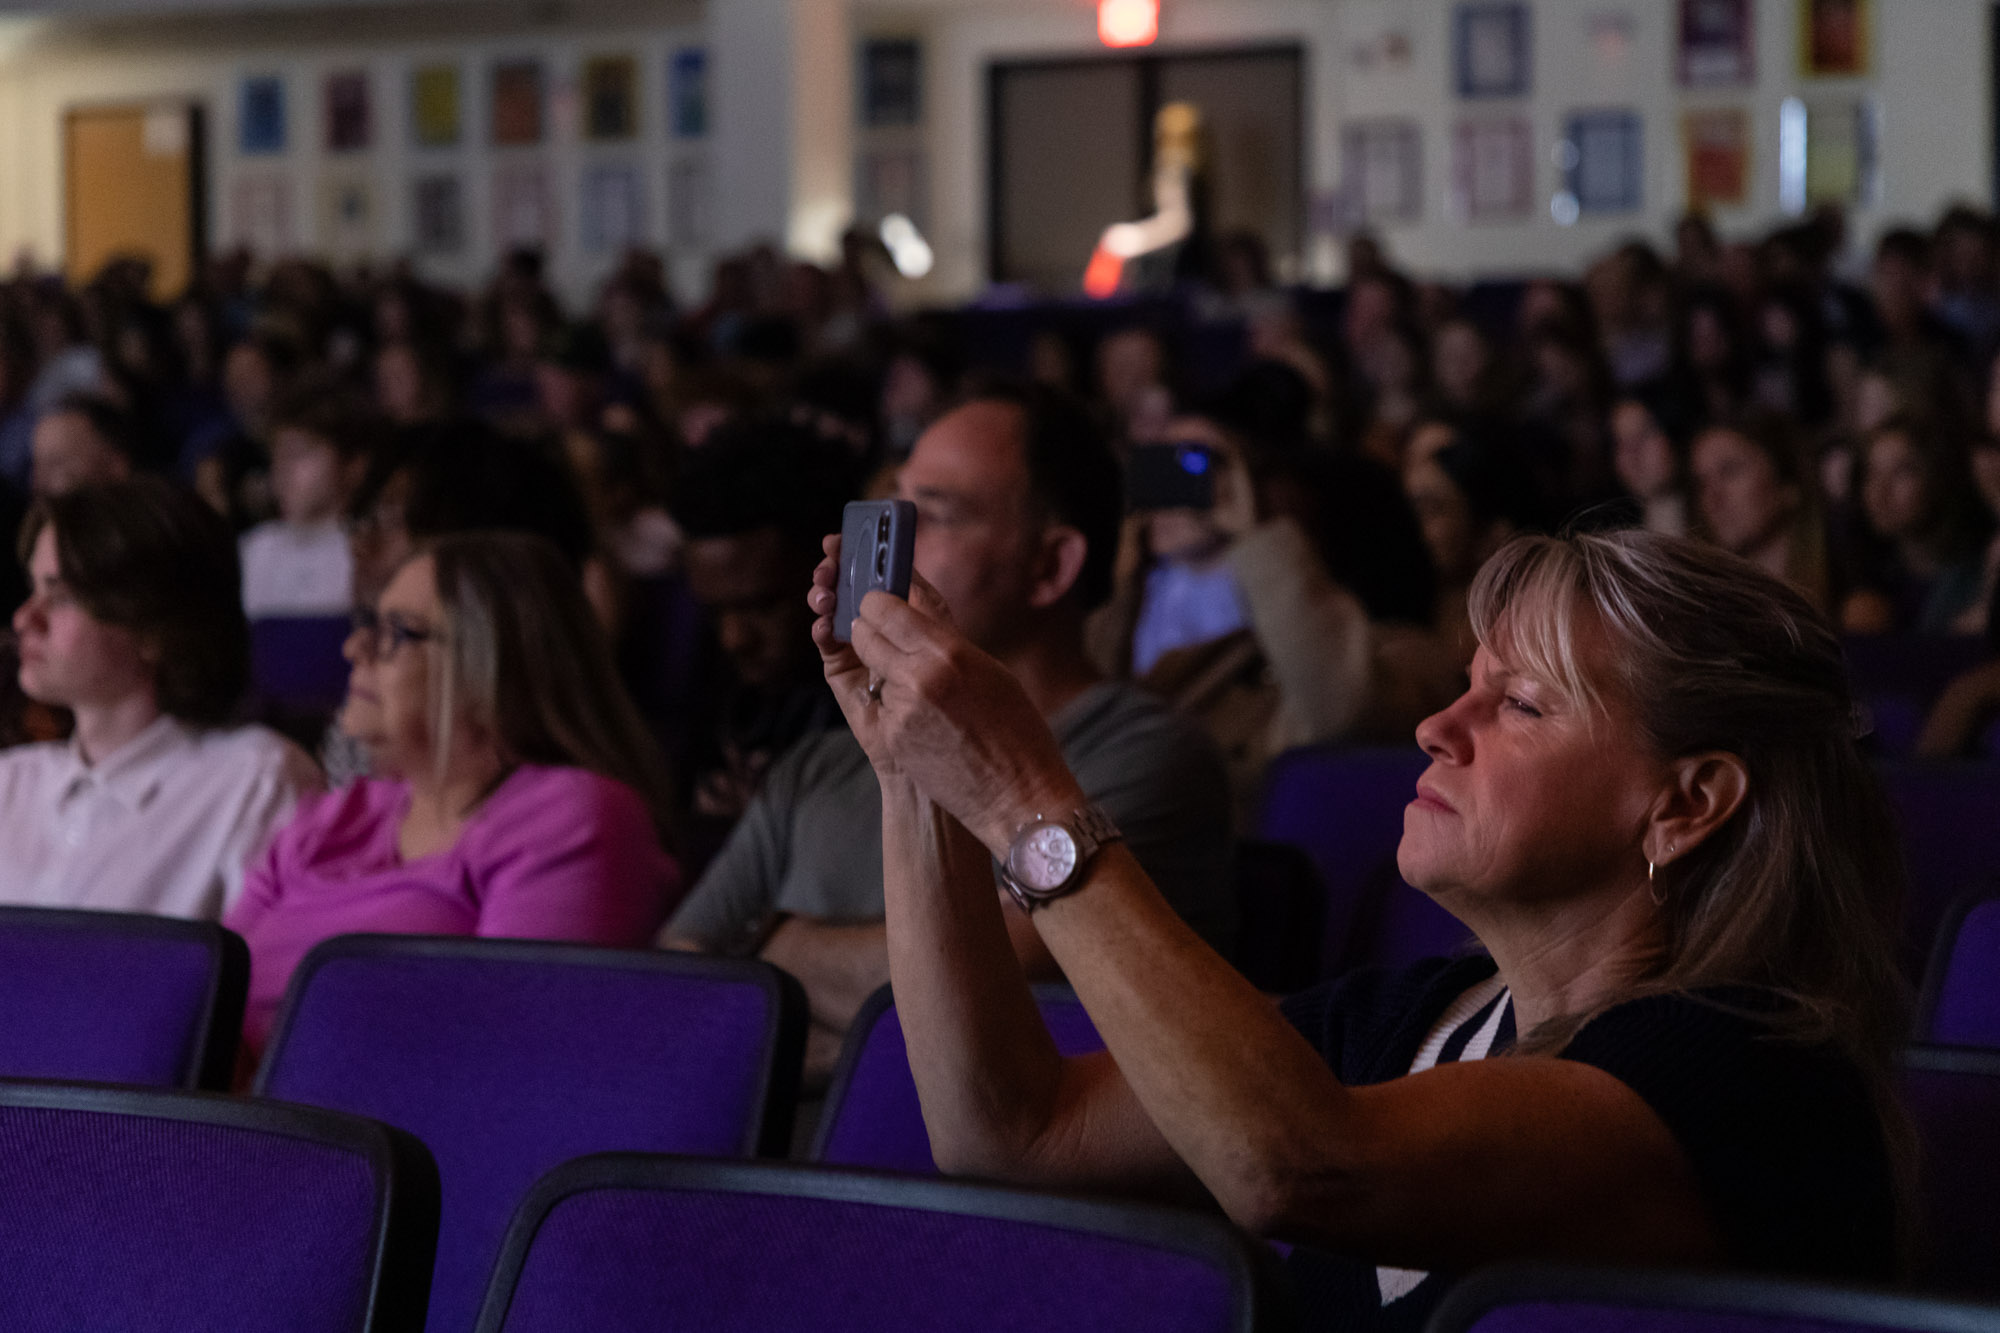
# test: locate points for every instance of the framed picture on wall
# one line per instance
(260, 215)
(437, 214)
(518, 111)
(349, 117)
(610, 98)
(1716, 44)
(347, 215)
(260, 115)
(1841, 164)
(523, 208)
(688, 223)
(1716, 143)
(1834, 37)
(1493, 169)
(1381, 177)
(687, 92)
(1491, 53)
(1603, 161)
(436, 115)
(891, 81)
(613, 213)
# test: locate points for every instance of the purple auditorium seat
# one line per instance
(156, 1212)
(295, 661)
(1398, 925)
(1961, 996)
(1528, 1299)
(872, 1116)
(507, 1057)
(1952, 1096)
(115, 997)
(628, 1242)
(1345, 808)
(1949, 814)
(1283, 906)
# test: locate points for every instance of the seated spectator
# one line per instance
(299, 563)
(1652, 812)
(1232, 616)
(135, 624)
(1471, 496)
(1017, 497)
(1920, 534)
(1649, 456)
(85, 439)
(516, 794)
(755, 503)
(1754, 498)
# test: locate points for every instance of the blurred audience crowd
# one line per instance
(1833, 417)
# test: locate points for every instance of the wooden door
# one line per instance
(133, 188)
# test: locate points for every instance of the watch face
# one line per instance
(1044, 858)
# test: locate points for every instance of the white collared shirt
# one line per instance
(297, 569)
(167, 823)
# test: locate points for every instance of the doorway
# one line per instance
(133, 187)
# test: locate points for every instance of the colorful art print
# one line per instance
(1716, 141)
(260, 215)
(1840, 166)
(890, 181)
(1382, 170)
(892, 71)
(347, 215)
(1490, 49)
(437, 213)
(1493, 169)
(688, 203)
(260, 115)
(613, 208)
(687, 92)
(518, 109)
(1834, 37)
(610, 98)
(1717, 43)
(1604, 161)
(349, 116)
(436, 108)
(523, 208)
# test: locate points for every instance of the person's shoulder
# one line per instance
(821, 757)
(1118, 714)
(258, 749)
(537, 798)
(1368, 1022)
(25, 765)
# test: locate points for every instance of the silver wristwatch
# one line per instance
(1047, 857)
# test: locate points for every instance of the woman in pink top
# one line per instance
(517, 792)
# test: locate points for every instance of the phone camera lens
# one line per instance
(881, 562)
(882, 528)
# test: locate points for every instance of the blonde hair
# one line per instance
(527, 663)
(1798, 894)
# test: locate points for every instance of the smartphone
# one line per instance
(878, 540)
(1171, 476)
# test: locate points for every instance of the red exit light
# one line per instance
(1128, 22)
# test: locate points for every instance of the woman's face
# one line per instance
(1528, 798)
(1644, 457)
(1893, 486)
(388, 708)
(70, 658)
(1445, 518)
(1458, 359)
(1743, 500)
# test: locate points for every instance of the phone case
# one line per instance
(877, 546)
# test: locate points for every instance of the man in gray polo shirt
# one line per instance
(1018, 505)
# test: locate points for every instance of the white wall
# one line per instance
(1931, 85)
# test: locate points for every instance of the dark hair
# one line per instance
(107, 420)
(464, 476)
(151, 557)
(330, 413)
(1904, 243)
(1071, 472)
(764, 473)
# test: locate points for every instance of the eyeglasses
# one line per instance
(382, 636)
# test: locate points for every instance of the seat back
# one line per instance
(117, 997)
(1961, 995)
(507, 1057)
(143, 1211)
(1555, 1300)
(1953, 1099)
(631, 1242)
(1951, 840)
(1283, 907)
(1344, 807)
(1398, 925)
(872, 1116)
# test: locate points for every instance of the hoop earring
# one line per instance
(1653, 886)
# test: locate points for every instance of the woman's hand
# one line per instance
(942, 714)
